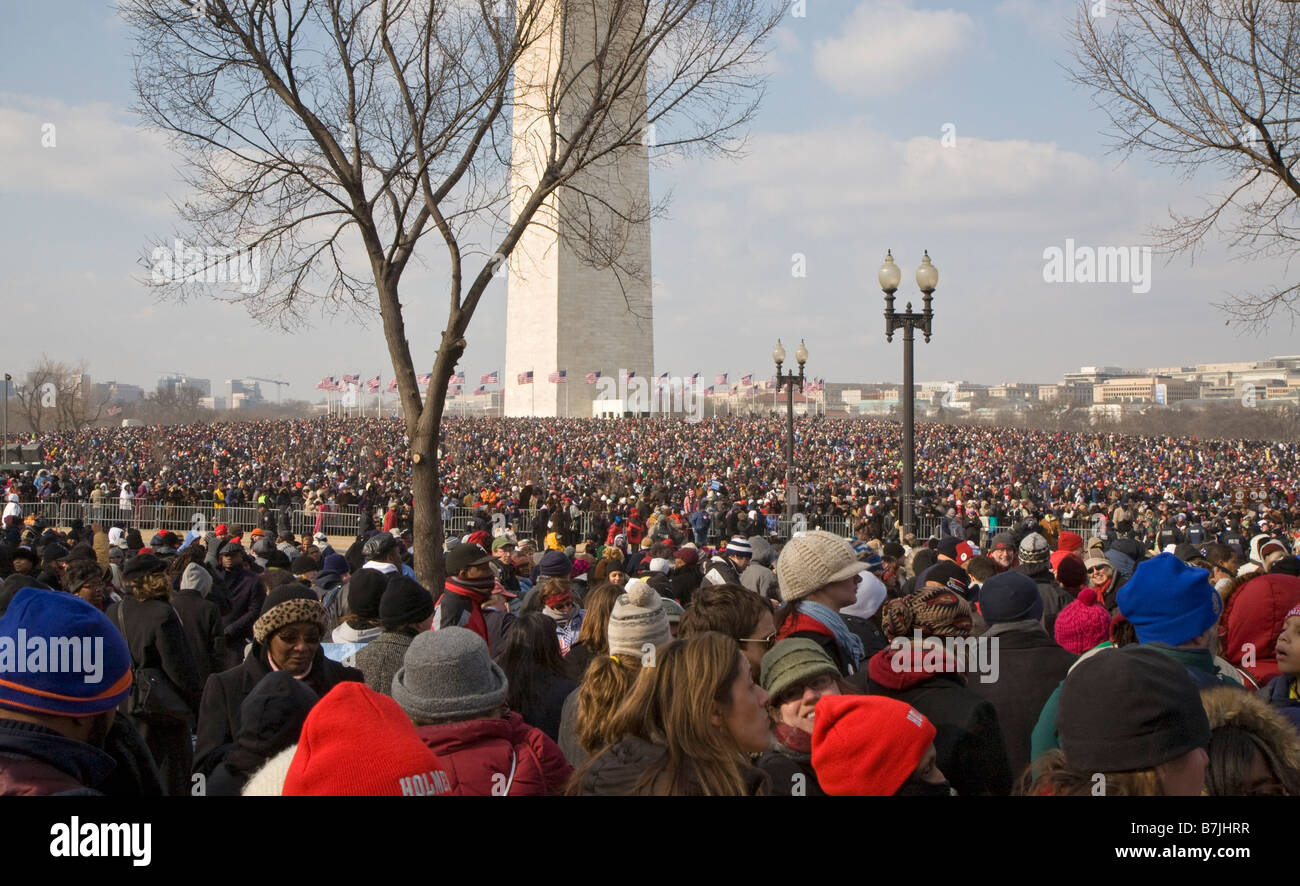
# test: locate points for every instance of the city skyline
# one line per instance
(988, 157)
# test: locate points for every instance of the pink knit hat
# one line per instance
(1083, 623)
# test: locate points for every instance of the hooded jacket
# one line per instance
(1254, 714)
(1279, 696)
(968, 739)
(271, 719)
(497, 757)
(1252, 618)
(758, 575)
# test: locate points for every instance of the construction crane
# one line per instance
(272, 381)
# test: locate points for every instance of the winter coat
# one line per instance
(546, 712)
(219, 711)
(807, 627)
(1030, 667)
(156, 639)
(247, 593)
(38, 762)
(271, 720)
(789, 771)
(1252, 618)
(872, 637)
(720, 570)
(617, 769)
(381, 658)
(1279, 696)
(762, 581)
(497, 756)
(1255, 714)
(201, 624)
(971, 750)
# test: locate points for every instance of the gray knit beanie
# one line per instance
(812, 561)
(638, 618)
(448, 675)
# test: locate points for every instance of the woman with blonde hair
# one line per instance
(638, 628)
(687, 728)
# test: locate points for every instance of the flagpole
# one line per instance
(566, 394)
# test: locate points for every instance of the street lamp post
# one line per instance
(4, 449)
(789, 381)
(927, 280)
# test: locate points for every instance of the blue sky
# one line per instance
(844, 160)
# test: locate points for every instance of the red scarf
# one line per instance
(476, 599)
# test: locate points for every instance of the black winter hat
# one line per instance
(303, 564)
(463, 556)
(1010, 596)
(948, 574)
(288, 591)
(1127, 709)
(405, 601)
(144, 564)
(554, 564)
(365, 590)
(272, 715)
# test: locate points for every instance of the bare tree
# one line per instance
(57, 396)
(316, 126)
(1208, 83)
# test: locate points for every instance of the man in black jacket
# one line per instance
(1029, 664)
(246, 595)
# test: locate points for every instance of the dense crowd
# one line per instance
(671, 644)
(848, 469)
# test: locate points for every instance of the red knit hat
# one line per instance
(1083, 623)
(358, 743)
(1069, 541)
(1069, 569)
(867, 745)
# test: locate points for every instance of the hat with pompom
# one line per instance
(638, 619)
(1083, 623)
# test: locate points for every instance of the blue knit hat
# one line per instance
(1010, 596)
(555, 565)
(59, 655)
(1168, 601)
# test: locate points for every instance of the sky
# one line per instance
(888, 124)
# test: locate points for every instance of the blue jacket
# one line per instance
(1279, 690)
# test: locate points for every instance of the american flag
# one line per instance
(352, 379)
(490, 379)
(481, 389)
(525, 378)
(747, 380)
(559, 377)
(325, 384)
(770, 383)
(695, 378)
(372, 386)
(454, 390)
(591, 377)
(457, 378)
(709, 390)
(392, 385)
(340, 386)
(628, 376)
(423, 380)
(115, 410)
(721, 379)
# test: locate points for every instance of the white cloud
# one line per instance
(96, 155)
(1047, 19)
(884, 44)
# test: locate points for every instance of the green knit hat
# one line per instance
(794, 661)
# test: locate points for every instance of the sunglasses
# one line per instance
(768, 641)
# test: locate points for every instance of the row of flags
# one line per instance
(456, 384)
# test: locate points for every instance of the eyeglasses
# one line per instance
(1099, 569)
(766, 641)
(817, 684)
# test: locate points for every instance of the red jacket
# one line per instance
(480, 756)
(1254, 615)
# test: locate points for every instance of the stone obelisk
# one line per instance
(579, 290)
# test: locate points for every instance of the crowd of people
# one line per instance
(730, 471)
(243, 661)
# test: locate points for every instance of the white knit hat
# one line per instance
(638, 618)
(812, 561)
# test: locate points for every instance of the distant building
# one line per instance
(242, 393)
(1146, 389)
(174, 384)
(117, 393)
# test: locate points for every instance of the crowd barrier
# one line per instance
(347, 521)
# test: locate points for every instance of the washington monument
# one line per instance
(579, 290)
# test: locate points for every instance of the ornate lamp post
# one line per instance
(927, 280)
(789, 381)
